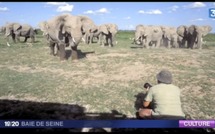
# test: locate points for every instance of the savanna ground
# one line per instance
(106, 79)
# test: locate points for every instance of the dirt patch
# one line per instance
(25, 98)
(195, 90)
(27, 69)
(92, 57)
(131, 72)
(115, 55)
(190, 62)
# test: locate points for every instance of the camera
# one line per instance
(147, 85)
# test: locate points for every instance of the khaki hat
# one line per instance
(164, 76)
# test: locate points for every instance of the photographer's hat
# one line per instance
(164, 76)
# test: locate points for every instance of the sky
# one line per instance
(127, 15)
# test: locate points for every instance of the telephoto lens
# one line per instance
(147, 85)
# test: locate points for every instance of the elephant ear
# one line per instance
(156, 29)
(113, 28)
(138, 26)
(181, 30)
(93, 28)
(193, 28)
(16, 27)
(163, 28)
(46, 25)
(206, 30)
(104, 29)
(165, 35)
(42, 26)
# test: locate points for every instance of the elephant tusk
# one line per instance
(8, 44)
(73, 40)
(7, 34)
(83, 39)
(45, 33)
(137, 38)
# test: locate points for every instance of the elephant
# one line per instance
(182, 32)
(139, 35)
(151, 35)
(63, 30)
(88, 28)
(2, 31)
(96, 35)
(53, 44)
(108, 33)
(196, 34)
(170, 36)
(16, 30)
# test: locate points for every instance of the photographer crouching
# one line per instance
(164, 98)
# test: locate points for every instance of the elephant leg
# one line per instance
(26, 38)
(179, 41)
(91, 38)
(58, 50)
(52, 45)
(32, 39)
(184, 43)
(188, 43)
(168, 44)
(175, 44)
(191, 44)
(147, 43)
(106, 40)
(99, 39)
(103, 39)
(199, 42)
(87, 39)
(62, 51)
(114, 39)
(74, 53)
(162, 42)
(143, 41)
(158, 42)
(111, 42)
(152, 44)
(200, 45)
(18, 38)
(13, 37)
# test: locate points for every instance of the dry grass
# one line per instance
(107, 79)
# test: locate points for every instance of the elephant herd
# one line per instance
(171, 37)
(68, 30)
(64, 30)
(16, 30)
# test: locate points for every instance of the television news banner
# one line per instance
(111, 123)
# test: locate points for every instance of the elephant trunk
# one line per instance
(74, 41)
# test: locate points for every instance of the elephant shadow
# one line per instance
(36, 41)
(136, 47)
(81, 54)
